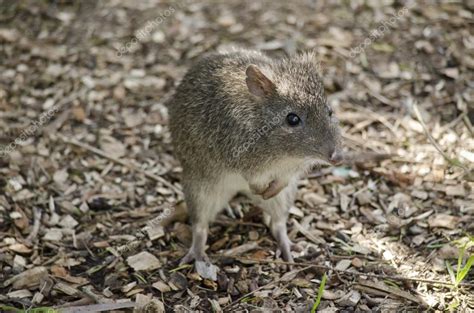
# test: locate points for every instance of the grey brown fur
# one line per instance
(228, 120)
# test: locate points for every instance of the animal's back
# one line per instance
(209, 112)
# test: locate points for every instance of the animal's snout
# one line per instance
(336, 157)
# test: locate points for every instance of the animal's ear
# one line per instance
(257, 83)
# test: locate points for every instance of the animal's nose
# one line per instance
(336, 157)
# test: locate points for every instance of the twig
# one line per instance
(260, 288)
(364, 157)
(103, 154)
(314, 239)
(468, 124)
(36, 224)
(433, 141)
(381, 98)
(381, 119)
(453, 124)
(380, 286)
(97, 307)
(329, 268)
(242, 249)
(348, 138)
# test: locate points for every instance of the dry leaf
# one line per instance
(143, 261)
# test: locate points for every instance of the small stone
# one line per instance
(356, 262)
(158, 37)
(253, 235)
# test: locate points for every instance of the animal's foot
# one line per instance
(286, 251)
(202, 264)
(234, 212)
(193, 256)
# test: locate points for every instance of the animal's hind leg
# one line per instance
(202, 210)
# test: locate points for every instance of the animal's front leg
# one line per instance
(197, 249)
(268, 191)
(276, 215)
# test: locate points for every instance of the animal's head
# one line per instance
(291, 97)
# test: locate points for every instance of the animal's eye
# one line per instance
(330, 111)
(293, 119)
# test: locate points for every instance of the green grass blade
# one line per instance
(10, 309)
(451, 273)
(6, 308)
(320, 293)
(465, 270)
(460, 257)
